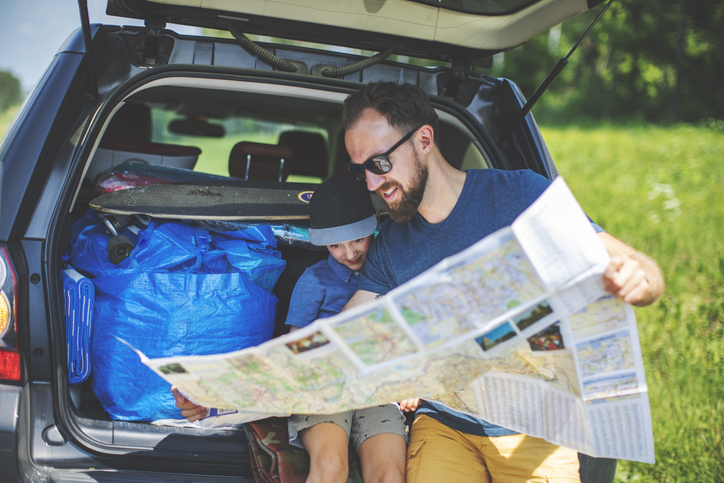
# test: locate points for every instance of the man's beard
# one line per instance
(409, 201)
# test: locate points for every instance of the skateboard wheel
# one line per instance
(119, 248)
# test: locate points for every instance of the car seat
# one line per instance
(310, 152)
(260, 162)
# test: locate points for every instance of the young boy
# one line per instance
(343, 218)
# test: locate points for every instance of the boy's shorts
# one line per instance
(359, 425)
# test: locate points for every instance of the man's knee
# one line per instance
(521, 458)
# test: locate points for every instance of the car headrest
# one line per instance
(310, 152)
(259, 161)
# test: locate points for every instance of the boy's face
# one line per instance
(352, 253)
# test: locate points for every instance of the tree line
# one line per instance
(659, 61)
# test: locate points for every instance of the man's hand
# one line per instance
(625, 278)
(408, 405)
(630, 274)
(189, 410)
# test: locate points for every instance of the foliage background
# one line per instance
(9, 90)
(659, 61)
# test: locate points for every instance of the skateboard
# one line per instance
(235, 201)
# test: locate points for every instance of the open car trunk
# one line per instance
(169, 118)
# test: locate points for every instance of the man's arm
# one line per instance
(631, 275)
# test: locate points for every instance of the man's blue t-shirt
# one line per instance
(322, 291)
(490, 200)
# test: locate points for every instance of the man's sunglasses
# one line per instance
(380, 163)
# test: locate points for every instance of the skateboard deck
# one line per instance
(246, 200)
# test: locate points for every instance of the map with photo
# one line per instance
(454, 334)
(610, 353)
(609, 313)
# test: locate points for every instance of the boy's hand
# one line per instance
(189, 410)
(408, 405)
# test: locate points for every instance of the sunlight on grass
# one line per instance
(662, 191)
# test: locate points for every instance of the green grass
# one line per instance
(662, 191)
(6, 118)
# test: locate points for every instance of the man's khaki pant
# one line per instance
(438, 454)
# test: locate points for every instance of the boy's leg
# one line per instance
(326, 439)
(383, 458)
(326, 444)
(378, 434)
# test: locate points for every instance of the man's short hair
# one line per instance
(405, 106)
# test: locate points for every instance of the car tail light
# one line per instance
(5, 315)
(9, 355)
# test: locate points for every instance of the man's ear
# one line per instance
(377, 212)
(426, 138)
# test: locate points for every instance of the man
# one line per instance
(437, 211)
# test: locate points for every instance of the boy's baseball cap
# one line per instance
(340, 210)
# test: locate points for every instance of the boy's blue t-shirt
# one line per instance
(322, 291)
(490, 200)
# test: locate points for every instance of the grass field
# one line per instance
(662, 191)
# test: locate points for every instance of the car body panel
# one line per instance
(10, 403)
(35, 121)
(352, 22)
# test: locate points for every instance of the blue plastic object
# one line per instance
(79, 298)
(165, 314)
(183, 290)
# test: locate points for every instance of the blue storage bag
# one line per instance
(257, 256)
(183, 291)
(166, 314)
